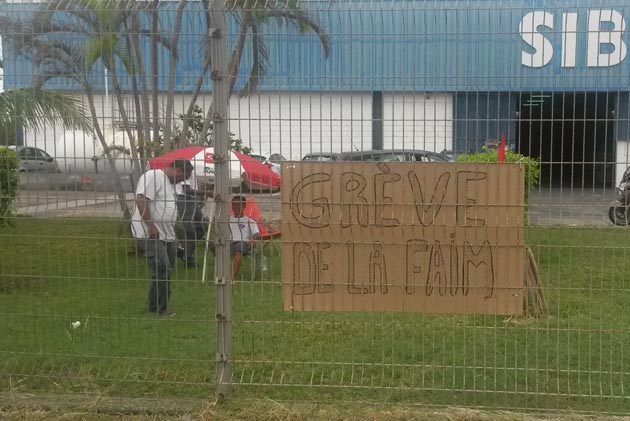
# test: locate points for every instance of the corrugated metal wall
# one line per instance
(415, 46)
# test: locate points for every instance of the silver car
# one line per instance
(35, 159)
(396, 155)
(273, 161)
(322, 156)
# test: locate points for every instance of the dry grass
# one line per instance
(96, 407)
(140, 409)
(268, 410)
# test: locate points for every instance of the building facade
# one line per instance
(552, 77)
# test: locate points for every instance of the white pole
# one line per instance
(107, 107)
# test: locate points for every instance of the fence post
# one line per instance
(223, 268)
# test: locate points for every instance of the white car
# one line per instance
(273, 161)
(34, 159)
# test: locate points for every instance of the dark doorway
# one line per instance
(571, 134)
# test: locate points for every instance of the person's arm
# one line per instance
(192, 188)
(200, 194)
(255, 233)
(142, 202)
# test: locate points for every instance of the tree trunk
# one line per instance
(199, 84)
(193, 100)
(234, 65)
(168, 123)
(123, 113)
(146, 110)
(154, 71)
(237, 55)
(206, 124)
(138, 110)
(120, 191)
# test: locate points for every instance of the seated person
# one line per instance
(244, 232)
(189, 202)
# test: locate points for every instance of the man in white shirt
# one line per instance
(189, 202)
(244, 232)
(153, 226)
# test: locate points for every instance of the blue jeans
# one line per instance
(160, 257)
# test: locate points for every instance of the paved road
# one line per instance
(90, 204)
(548, 206)
(557, 206)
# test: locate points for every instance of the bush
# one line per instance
(532, 166)
(8, 183)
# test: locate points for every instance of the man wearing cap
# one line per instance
(153, 226)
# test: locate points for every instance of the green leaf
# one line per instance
(34, 108)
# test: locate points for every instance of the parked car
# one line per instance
(395, 155)
(275, 162)
(34, 159)
(261, 158)
(452, 155)
(322, 156)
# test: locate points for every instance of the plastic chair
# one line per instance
(267, 235)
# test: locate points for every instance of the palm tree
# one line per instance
(170, 97)
(34, 108)
(67, 38)
(53, 57)
(252, 16)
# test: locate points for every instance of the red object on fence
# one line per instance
(502, 149)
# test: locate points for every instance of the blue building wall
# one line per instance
(483, 116)
(444, 46)
(622, 116)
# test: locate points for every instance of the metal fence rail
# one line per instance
(95, 91)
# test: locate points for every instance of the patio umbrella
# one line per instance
(243, 168)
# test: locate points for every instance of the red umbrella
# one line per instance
(243, 168)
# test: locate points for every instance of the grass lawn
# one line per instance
(55, 272)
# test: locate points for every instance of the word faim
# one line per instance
(444, 269)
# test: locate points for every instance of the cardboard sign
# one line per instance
(412, 237)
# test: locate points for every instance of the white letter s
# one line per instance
(528, 30)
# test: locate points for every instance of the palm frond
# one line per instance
(126, 56)
(36, 107)
(58, 52)
(18, 33)
(58, 59)
(260, 58)
(99, 47)
(303, 21)
(45, 17)
(163, 40)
